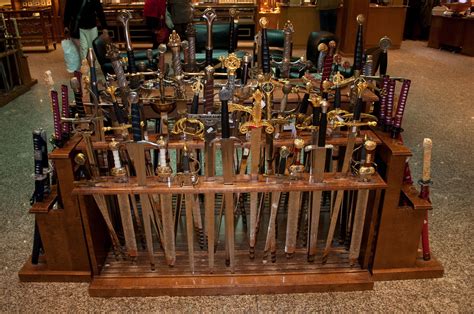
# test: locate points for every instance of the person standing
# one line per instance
(328, 15)
(181, 14)
(80, 22)
(154, 12)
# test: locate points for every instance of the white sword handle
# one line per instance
(427, 147)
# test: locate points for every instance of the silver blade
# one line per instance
(358, 227)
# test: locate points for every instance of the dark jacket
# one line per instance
(180, 10)
(88, 17)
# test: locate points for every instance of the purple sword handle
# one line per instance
(56, 118)
(383, 100)
(402, 101)
(66, 113)
(389, 105)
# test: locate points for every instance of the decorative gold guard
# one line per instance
(197, 86)
(110, 90)
(185, 126)
(255, 115)
(231, 62)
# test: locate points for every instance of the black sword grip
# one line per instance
(282, 166)
(94, 87)
(359, 49)
(136, 123)
(358, 109)
(322, 130)
(132, 67)
(316, 115)
(337, 98)
(225, 119)
(185, 163)
(232, 31)
(383, 63)
(208, 57)
(265, 53)
(245, 74)
(195, 104)
(119, 114)
(79, 105)
(304, 103)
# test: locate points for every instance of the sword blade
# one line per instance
(358, 226)
(270, 242)
(127, 225)
(102, 204)
(189, 199)
(166, 201)
(294, 206)
(210, 227)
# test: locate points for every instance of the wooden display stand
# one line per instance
(77, 244)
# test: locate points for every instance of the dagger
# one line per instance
(359, 45)
(209, 15)
(402, 101)
(425, 183)
(366, 171)
(124, 17)
(264, 47)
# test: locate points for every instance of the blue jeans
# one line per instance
(328, 20)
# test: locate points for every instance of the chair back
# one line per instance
(99, 46)
(220, 36)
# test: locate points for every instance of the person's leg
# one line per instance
(77, 44)
(323, 20)
(87, 36)
(152, 24)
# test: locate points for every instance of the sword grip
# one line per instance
(265, 52)
(195, 104)
(185, 163)
(316, 115)
(337, 98)
(389, 105)
(79, 105)
(304, 103)
(136, 122)
(232, 35)
(209, 57)
(119, 114)
(132, 67)
(402, 101)
(225, 119)
(66, 113)
(383, 63)
(358, 109)
(359, 49)
(56, 116)
(322, 129)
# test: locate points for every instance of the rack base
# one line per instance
(421, 270)
(41, 273)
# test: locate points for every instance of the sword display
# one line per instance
(425, 183)
(361, 86)
(209, 15)
(366, 171)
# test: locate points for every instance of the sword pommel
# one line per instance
(75, 85)
(360, 19)
(133, 97)
(162, 48)
(174, 40)
(263, 22)
(322, 47)
(385, 43)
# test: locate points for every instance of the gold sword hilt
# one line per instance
(367, 169)
(255, 112)
(189, 126)
(190, 178)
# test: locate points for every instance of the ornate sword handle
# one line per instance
(133, 99)
(175, 44)
(288, 31)
(384, 44)
(224, 96)
(233, 29)
(359, 46)
(66, 113)
(402, 101)
(191, 36)
(209, 89)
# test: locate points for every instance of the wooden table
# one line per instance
(453, 32)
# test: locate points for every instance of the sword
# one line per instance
(190, 205)
(425, 183)
(114, 56)
(161, 59)
(124, 17)
(359, 46)
(318, 162)
(267, 88)
(209, 15)
(361, 86)
(328, 61)
(323, 50)
(57, 138)
(366, 171)
(227, 148)
(93, 73)
(246, 63)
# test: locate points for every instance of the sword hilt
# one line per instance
(389, 105)
(209, 89)
(384, 44)
(359, 45)
(93, 73)
(247, 59)
(66, 113)
(56, 119)
(402, 101)
(323, 124)
(209, 15)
